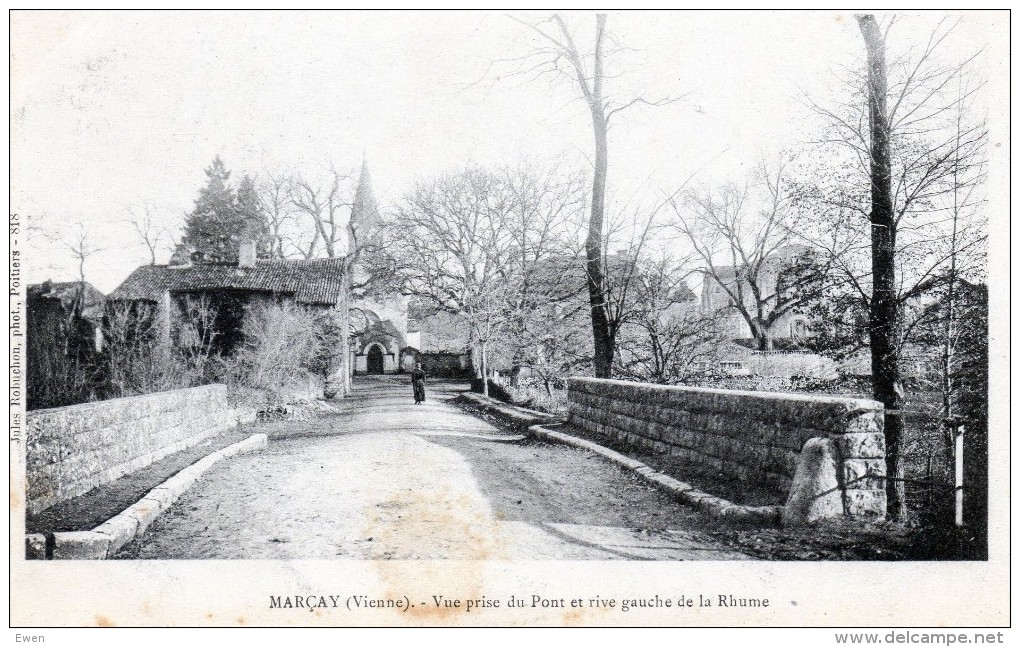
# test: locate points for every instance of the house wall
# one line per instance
(714, 297)
(753, 437)
(71, 450)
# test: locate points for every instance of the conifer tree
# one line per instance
(222, 218)
(250, 216)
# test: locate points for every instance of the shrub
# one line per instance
(137, 360)
(285, 349)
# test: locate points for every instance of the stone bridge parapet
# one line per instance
(754, 437)
(71, 450)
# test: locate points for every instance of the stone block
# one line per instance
(43, 487)
(872, 422)
(165, 496)
(787, 461)
(694, 497)
(121, 529)
(672, 484)
(144, 512)
(35, 546)
(627, 462)
(865, 503)
(861, 445)
(80, 545)
(815, 493)
(758, 515)
(712, 504)
(863, 473)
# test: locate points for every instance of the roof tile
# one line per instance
(317, 282)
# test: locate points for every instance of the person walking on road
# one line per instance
(418, 384)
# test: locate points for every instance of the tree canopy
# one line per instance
(224, 217)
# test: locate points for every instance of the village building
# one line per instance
(792, 325)
(789, 332)
(229, 290)
(65, 339)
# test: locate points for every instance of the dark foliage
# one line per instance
(223, 218)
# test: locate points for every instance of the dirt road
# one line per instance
(386, 479)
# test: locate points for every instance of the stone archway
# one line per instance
(375, 362)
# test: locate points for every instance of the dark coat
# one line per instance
(418, 384)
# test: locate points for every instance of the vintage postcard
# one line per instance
(509, 318)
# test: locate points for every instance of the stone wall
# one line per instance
(71, 450)
(755, 437)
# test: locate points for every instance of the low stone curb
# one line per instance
(685, 492)
(103, 541)
(519, 417)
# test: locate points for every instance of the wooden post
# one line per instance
(959, 476)
(956, 426)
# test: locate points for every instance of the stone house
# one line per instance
(64, 342)
(792, 325)
(227, 289)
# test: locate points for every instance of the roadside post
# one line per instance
(956, 426)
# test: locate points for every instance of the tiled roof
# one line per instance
(318, 282)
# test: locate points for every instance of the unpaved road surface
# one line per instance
(386, 479)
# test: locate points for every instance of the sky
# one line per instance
(113, 110)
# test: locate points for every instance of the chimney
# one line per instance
(246, 254)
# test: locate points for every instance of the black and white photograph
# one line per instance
(510, 318)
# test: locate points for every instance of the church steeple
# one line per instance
(365, 212)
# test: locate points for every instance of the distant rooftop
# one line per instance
(67, 292)
(315, 282)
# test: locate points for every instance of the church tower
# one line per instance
(363, 226)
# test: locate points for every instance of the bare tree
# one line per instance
(560, 56)
(967, 177)
(327, 207)
(544, 304)
(78, 241)
(137, 359)
(455, 249)
(286, 236)
(282, 344)
(153, 235)
(495, 247)
(746, 252)
(903, 157)
(667, 338)
(629, 232)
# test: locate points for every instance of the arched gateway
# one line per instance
(375, 362)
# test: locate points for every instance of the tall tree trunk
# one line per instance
(884, 311)
(593, 245)
(485, 369)
(763, 337)
(949, 324)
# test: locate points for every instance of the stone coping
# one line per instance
(519, 416)
(129, 399)
(864, 404)
(103, 541)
